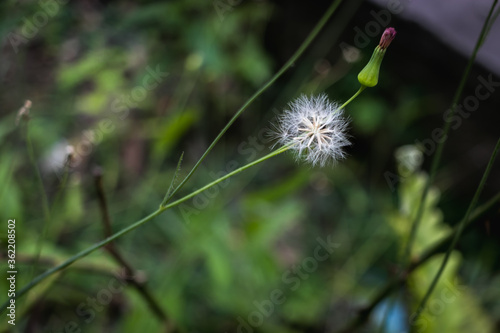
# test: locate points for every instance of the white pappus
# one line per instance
(314, 128)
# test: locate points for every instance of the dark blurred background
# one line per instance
(131, 85)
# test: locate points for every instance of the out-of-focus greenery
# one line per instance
(214, 262)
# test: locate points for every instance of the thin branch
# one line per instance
(111, 248)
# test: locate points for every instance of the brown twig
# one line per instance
(111, 248)
(395, 283)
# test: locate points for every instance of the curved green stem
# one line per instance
(283, 69)
(215, 182)
(437, 158)
(458, 231)
(135, 225)
(360, 90)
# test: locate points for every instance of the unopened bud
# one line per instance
(368, 77)
(387, 38)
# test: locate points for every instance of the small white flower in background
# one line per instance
(315, 129)
(409, 159)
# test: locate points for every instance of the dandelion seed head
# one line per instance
(314, 128)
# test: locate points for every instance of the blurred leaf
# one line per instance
(450, 307)
(170, 132)
(87, 68)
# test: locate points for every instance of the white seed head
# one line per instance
(314, 128)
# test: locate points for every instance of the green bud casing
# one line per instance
(369, 75)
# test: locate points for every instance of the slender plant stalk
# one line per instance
(62, 186)
(432, 250)
(163, 206)
(135, 225)
(80, 267)
(458, 231)
(492, 20)
(172, 182)
(286, 66)
(353, 97)
(437, 157)
(440, 246)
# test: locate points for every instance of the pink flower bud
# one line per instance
(387, 38)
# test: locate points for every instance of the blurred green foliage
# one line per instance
(214, 261)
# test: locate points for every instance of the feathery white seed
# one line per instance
(315, 129)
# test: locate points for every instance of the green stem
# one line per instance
(283, 69)
(458, 231)
(432, 250)
(493, 19)
(440, 246)
(135, 225)
(360, 90)
(437, 158)
(62, 186)
(215, 182)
